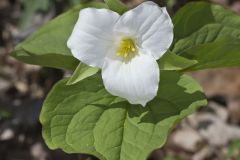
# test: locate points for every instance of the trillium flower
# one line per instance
(126, 47)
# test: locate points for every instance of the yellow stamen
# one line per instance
(127, 48)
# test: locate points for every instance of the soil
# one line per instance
(23, 87)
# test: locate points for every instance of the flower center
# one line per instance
(127, 48)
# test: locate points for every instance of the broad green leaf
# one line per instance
(117, 6)
(48, 46)
(171, 61)
(82, 71)
(190, 18)
(195, 15)
(53, 100)
(208, 34)
(214, 44)
(85, 118)
(223, 53)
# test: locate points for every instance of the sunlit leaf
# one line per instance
(82, 71)
(85, 118)
(214, 41)
(48, 46)
(171, 61)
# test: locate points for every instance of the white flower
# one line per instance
(125, 47)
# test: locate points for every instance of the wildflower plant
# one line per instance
(128, 88)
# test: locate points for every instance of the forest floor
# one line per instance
(211, 132)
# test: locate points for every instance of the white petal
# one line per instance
(137, 81)
(92, 35)
(151, 25)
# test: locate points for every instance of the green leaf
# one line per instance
(213, 46)
(208, 34)
(117, 6)
(85, 118)
(224, 53)
(171, 61)
(82, 71)
(48, 46)
(190, 18)
(195, 15)
(213, 43)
